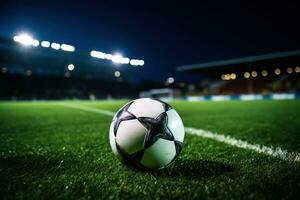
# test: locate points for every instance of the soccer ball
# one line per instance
(147, 133)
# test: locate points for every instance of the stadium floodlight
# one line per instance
(24, 39)
(142, 62)
(71, 67)
(117, 74)
(98, 54)
(117, 58)
(247, 75)
(254, 74)
(227, 76)
(223, 77)
(67, 47)
(45, 44)
(35, 43)
(170, 80)
(264, 73)
(16, 38)
(125, 60)
(289, 70)
(108, 56)
(134, 62)
(233, 76)
(55, 46)
(277, 71)
(297, 69)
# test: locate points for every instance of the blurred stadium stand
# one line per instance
(263, 74)
(42, 73)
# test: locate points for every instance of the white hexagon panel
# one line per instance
(131, 136)
(146, 107)
(175, 125)
(159, 154)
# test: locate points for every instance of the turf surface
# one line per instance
(51, 151)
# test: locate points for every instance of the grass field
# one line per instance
(52, 151)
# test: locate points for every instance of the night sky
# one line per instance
(165, 35)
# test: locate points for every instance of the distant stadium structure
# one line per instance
(165, 94)
(33, 69)
(262, 74)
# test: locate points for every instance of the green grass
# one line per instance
(49, 151)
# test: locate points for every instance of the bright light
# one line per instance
(55, 46)
(277, 71)
(117, 74)
(117, 58)
(223, 77)
(289, 70)
(35, 43)
(254, 74)
(142, 62)
(246, 74)
(16, 38)
(227, 76)
(297, 69)
(170, 80)
(108, 56)
(71, 67)
(233, 76)
(135, 62)
(24, 39)
(98, 54)
(264, 73)
(27, 40)
(45, 44)
(125, 60)
(67, 47)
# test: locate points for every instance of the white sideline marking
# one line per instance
(271, 151)
(90, 109)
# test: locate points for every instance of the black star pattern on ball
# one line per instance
(157, 128)
(133, 159)
(122, 116)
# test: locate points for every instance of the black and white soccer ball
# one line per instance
(147, 133)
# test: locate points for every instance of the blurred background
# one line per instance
(180, 50)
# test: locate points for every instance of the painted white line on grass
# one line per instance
(89, 109)
(271, 151)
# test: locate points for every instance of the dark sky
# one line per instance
(164, 34)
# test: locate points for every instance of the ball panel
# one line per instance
(122, 115)
(146, 107)
(131, 136)
(175, 125)
(158, 155)
(112, 139)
